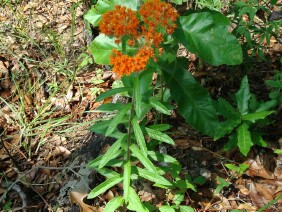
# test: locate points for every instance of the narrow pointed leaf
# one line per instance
(158, 106)
(243, 96)
(117, 119)
(159, 136)
(126, 180)
(244, 139)
(111, 152)
(143, 158)
(135, 202)
(137, 97)
(154, 177)
(256, 116)
(139, 135)
(114, 204)
(104, 186)
(110, 93)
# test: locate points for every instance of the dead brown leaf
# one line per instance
(77, 198)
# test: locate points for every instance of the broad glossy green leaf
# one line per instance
(243, 96)
(126, 180)
(256, 116)
(114, 204)
(109, 155)
(244, 139)
(159, 136)
(135, 202)
(204, 34)
(158, 106)
(101, 48)
(193, 101)
(117, 120)
(143, 158)
(93, 15)
(104, 186)
(139, 135)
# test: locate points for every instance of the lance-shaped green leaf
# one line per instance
(126, 180)
(207, 35)
(158, 106)
(139, 135)
(104, 186)
(143, 158)
(156, 178)
(159, 136)
(114, 204)
(256, 116)
(110, 93)
(111, 152)
(243, 96)
(137, 97)
(135, 202)
(193, 101)
(244, 139)
(117, 119)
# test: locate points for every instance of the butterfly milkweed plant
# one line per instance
(139, 40)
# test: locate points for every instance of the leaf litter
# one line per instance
(44, 92)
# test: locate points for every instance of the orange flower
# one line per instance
(120, 22)
(157, 15)
(125, 64)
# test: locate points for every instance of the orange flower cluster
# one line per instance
(158, 18)
(119, 22)
(125, 64)
(157, 15)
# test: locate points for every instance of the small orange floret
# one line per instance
(125, 64)
(156, 14)
(119, 22)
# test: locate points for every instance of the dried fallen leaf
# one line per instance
(62, 150)
(77, 198)
(256, 169)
